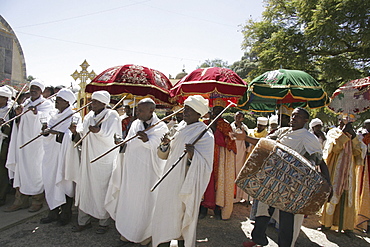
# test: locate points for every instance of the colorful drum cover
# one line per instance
(280, 177)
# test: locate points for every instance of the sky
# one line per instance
(166, 35)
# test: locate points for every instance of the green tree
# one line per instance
(30, 78)
(214, 63)
(329, 39)
(243, 67)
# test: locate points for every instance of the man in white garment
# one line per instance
(5, 107)
(93, 180)
(24, 164)
(299, 139)
(141, 169)
(180, 193)
(59, 192)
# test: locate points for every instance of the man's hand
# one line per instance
(165, 140)
(18, 110)
(349, 129)
(94, 129)
(73, 129)
(33, 109)
(142, 136)
(189, 148)
(2, 121)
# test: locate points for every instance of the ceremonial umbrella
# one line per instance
(352, 97)
(293, 88)
(133, 80)
(212, 83)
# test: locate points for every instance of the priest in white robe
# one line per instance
(24, 164)
(180, 193)
(93, 178)
(59, 192)
(141, 169)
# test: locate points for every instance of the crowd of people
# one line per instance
(48, 152)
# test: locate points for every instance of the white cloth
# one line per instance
(3, 111)
(262, 120)
(314, 122)
(67, 95)
(24, 164)
(102, 96)
(53, 163)
(93, 178)
(179, 194)
(141, 170)
(5, 92)
(38, 83)
(198, 103)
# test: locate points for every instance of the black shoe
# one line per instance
(217, 212)
(62, 222)
(47, 220)
(79, 228)
(202, 212)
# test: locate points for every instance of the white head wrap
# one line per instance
(38, 83)
(367, 121)
(198, 103)
(146, 100)
(67, 95)
(102, 96)
(262, 120)
(5, 92)
(274, 119)
(314, 122)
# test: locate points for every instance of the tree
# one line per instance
(247, 64)
(30, 78)
(214, 63)
(329, 39)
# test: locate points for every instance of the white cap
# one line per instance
(146, 100)
(314, 122)
(38, 83)
(274, 119)
(198, 104)
(5, 92)
(102, 96)
(67, 95)
(262, 120)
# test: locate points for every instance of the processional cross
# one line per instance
(83, 75)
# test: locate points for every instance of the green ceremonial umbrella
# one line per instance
(293, 88)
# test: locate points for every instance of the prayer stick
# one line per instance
(14, 118)
(99, 122)
(184, 153)
(55, 125)
(125, 141)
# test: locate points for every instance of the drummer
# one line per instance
(299, 139)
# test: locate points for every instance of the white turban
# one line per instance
(367, 121)
(274, 119)
(146, 100)
(102, 96)
(262, 120)
(314, 122)
(198, 103)
(5, 92)
(39, 84)
(67, 95)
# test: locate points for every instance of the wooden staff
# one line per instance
(125, 141)
(55, 125)
(184, 153)
(14, 118)
(99, 122)
(11, 107)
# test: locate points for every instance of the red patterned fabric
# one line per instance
(132, 79)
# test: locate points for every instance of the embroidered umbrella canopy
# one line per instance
(212, 83)
(293, 88)
(351, 98)
(134, 80)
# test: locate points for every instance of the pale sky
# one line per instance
(167, 35)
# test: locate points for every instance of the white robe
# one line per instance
(93, 178)
(53, 164)
(141, 169)
(180, 193)
(3, 111)
(25, 164)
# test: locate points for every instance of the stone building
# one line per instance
(12, 63)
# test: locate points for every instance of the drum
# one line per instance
(280, 177)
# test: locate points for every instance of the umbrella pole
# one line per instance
(341, 210)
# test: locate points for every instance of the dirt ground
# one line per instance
(210, 233)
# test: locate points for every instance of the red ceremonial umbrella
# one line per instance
(212, 83)
(134, 80)
(351, 98)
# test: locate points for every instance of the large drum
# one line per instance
(280, 177)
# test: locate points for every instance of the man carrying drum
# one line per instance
(299, 139)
